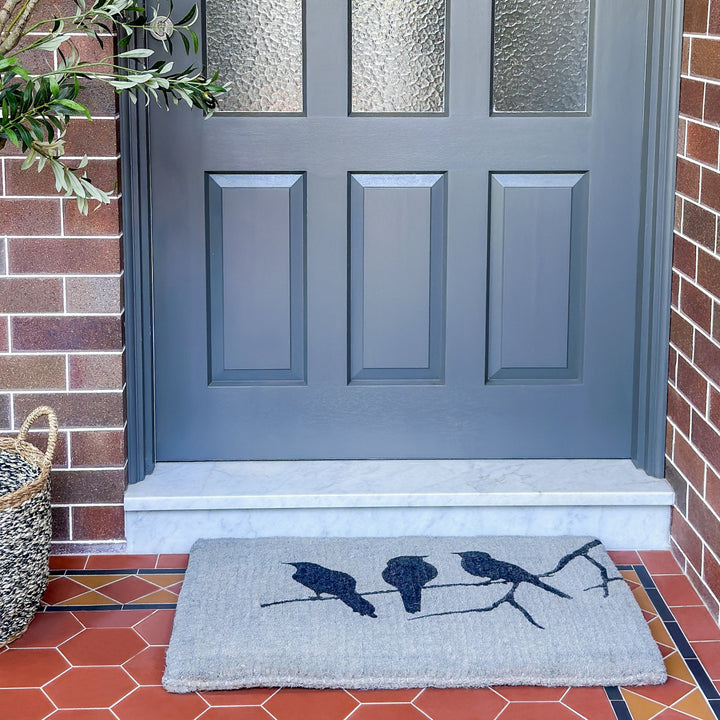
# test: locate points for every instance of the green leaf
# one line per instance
(190, 18)
(76, 106)
(11, 136)
(138, 53)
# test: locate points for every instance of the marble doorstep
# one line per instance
(395, 483)
(609, 499)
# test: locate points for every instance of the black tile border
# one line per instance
(122, 571)
(120, 574)
(704, 683)
(128, 606)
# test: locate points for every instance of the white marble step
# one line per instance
(609, 499)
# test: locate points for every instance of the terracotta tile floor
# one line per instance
(97, 650)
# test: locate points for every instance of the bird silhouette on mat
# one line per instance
(321, 580)
(409, 574)
(481, 564)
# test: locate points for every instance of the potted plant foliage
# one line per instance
(39, 98)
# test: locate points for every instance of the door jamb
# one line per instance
(654, 267)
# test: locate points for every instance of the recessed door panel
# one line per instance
(536, 276)
(256, 249)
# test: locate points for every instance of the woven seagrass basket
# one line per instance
(25, 525)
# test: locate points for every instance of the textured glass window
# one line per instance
(540, 56)
(398, 56)
(257, 47)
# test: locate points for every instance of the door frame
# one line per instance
(663, 63)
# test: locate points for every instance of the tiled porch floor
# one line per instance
(97, 651)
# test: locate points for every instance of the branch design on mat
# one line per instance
(410, 575)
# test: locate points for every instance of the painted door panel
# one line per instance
(458, 285)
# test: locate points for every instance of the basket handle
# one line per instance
(52, 423)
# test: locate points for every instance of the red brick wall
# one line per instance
(693, 438)
(61, 337)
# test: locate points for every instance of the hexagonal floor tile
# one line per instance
(111, 618)
(49, 629)
(156, 629)
(237, 713)
(246, 696)
(590, 702)
(529, 693)
(82, 715)
(378, 711)
(24, 704)
(537, 711)
(147, 667)
(30, 667)
(385, 696)
(103, 646)
(302, 704)
(89, 687)
(461, 703)
(151, 703)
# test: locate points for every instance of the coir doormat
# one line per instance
(406, 612)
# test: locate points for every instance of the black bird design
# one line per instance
(320, 580)
(481, 564)
(409, 573)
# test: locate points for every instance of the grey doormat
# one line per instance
(406, 612)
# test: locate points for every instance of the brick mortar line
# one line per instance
(690, 361)
(694, 283)
(692, 160)
(97, 504)
(683, 276)
(688, 76)
(707, 337)
(684, 236)
(706, 34)
(55, 392)
(110, 236)
(710, 507)
(700, 121)
(92, 429)
(707, 208)
(701, 162)
(51, 196)
(59, 314)
(696, 201)
(31, 353)
(698, 453)
(705, 415)
(82, 468)
(106, 157)
(60, 276)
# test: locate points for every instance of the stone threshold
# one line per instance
(609, 499)
(395, 483)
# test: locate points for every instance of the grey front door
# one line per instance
(412, 234)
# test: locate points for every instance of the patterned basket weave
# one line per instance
(25, 525)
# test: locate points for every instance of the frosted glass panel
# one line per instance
(257, 47)
(540, 55)
(398, 56)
